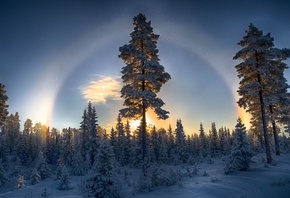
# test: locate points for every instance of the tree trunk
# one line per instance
(265, 130)
(276, 138)
(144, 145)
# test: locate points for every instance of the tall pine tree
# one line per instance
(263, 89)
(89, 137)
(143, 75)
(203, 142)
(180, 143)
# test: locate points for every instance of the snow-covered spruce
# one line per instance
(21, 182)
(180, 143)
(89, 136)
(240, 157)
(104, 182)
(65, 183)
(78, 167)
(35, 177)
(3, 174)
(42, 166)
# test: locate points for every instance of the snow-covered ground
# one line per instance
(258, 181)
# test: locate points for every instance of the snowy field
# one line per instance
(259, 181)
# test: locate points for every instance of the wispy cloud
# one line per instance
(106, 88)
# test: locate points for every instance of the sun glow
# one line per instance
(245, 117)
(134, 124)
(42, 110)
(39, 106)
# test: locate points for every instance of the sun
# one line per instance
(134, 124)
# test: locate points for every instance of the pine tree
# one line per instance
(23, 149)
(103, 183)
(128, 144)
(42, 166)
(53, 146)
(65, 183)
(33, 147)
(113, 140)
(277, 96)
(93, 143)
(11, 129)
(3, 149)
(225, 140)
(197, 143)
(193, 148)
(180, 143)
(58, 171)
(16, 171)
(137, 141)
(214, 141)
(21, 182)
(203, 141)
(170, 145)
(241, 153)
(3, 105)
(28, 129)
(78, 167)
(253, 74)
(3, 175)
(265, 63)
(89, 137)
(84, 135)
(40, 131)
(153, 145)
(120, 141)
(67, 147)
(35, 177)
(162, 151)
(143, 75)
(222, 140)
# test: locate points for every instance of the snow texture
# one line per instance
(258, 181)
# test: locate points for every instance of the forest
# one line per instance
(124, 162)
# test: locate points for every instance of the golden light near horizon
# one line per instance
(246, 117)
(42, 111)
(134, 124)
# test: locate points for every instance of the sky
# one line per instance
(55, 56)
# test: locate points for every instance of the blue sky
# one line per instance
(57, 55)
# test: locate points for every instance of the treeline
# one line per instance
(42, 149)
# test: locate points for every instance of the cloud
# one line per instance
(106, 88)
